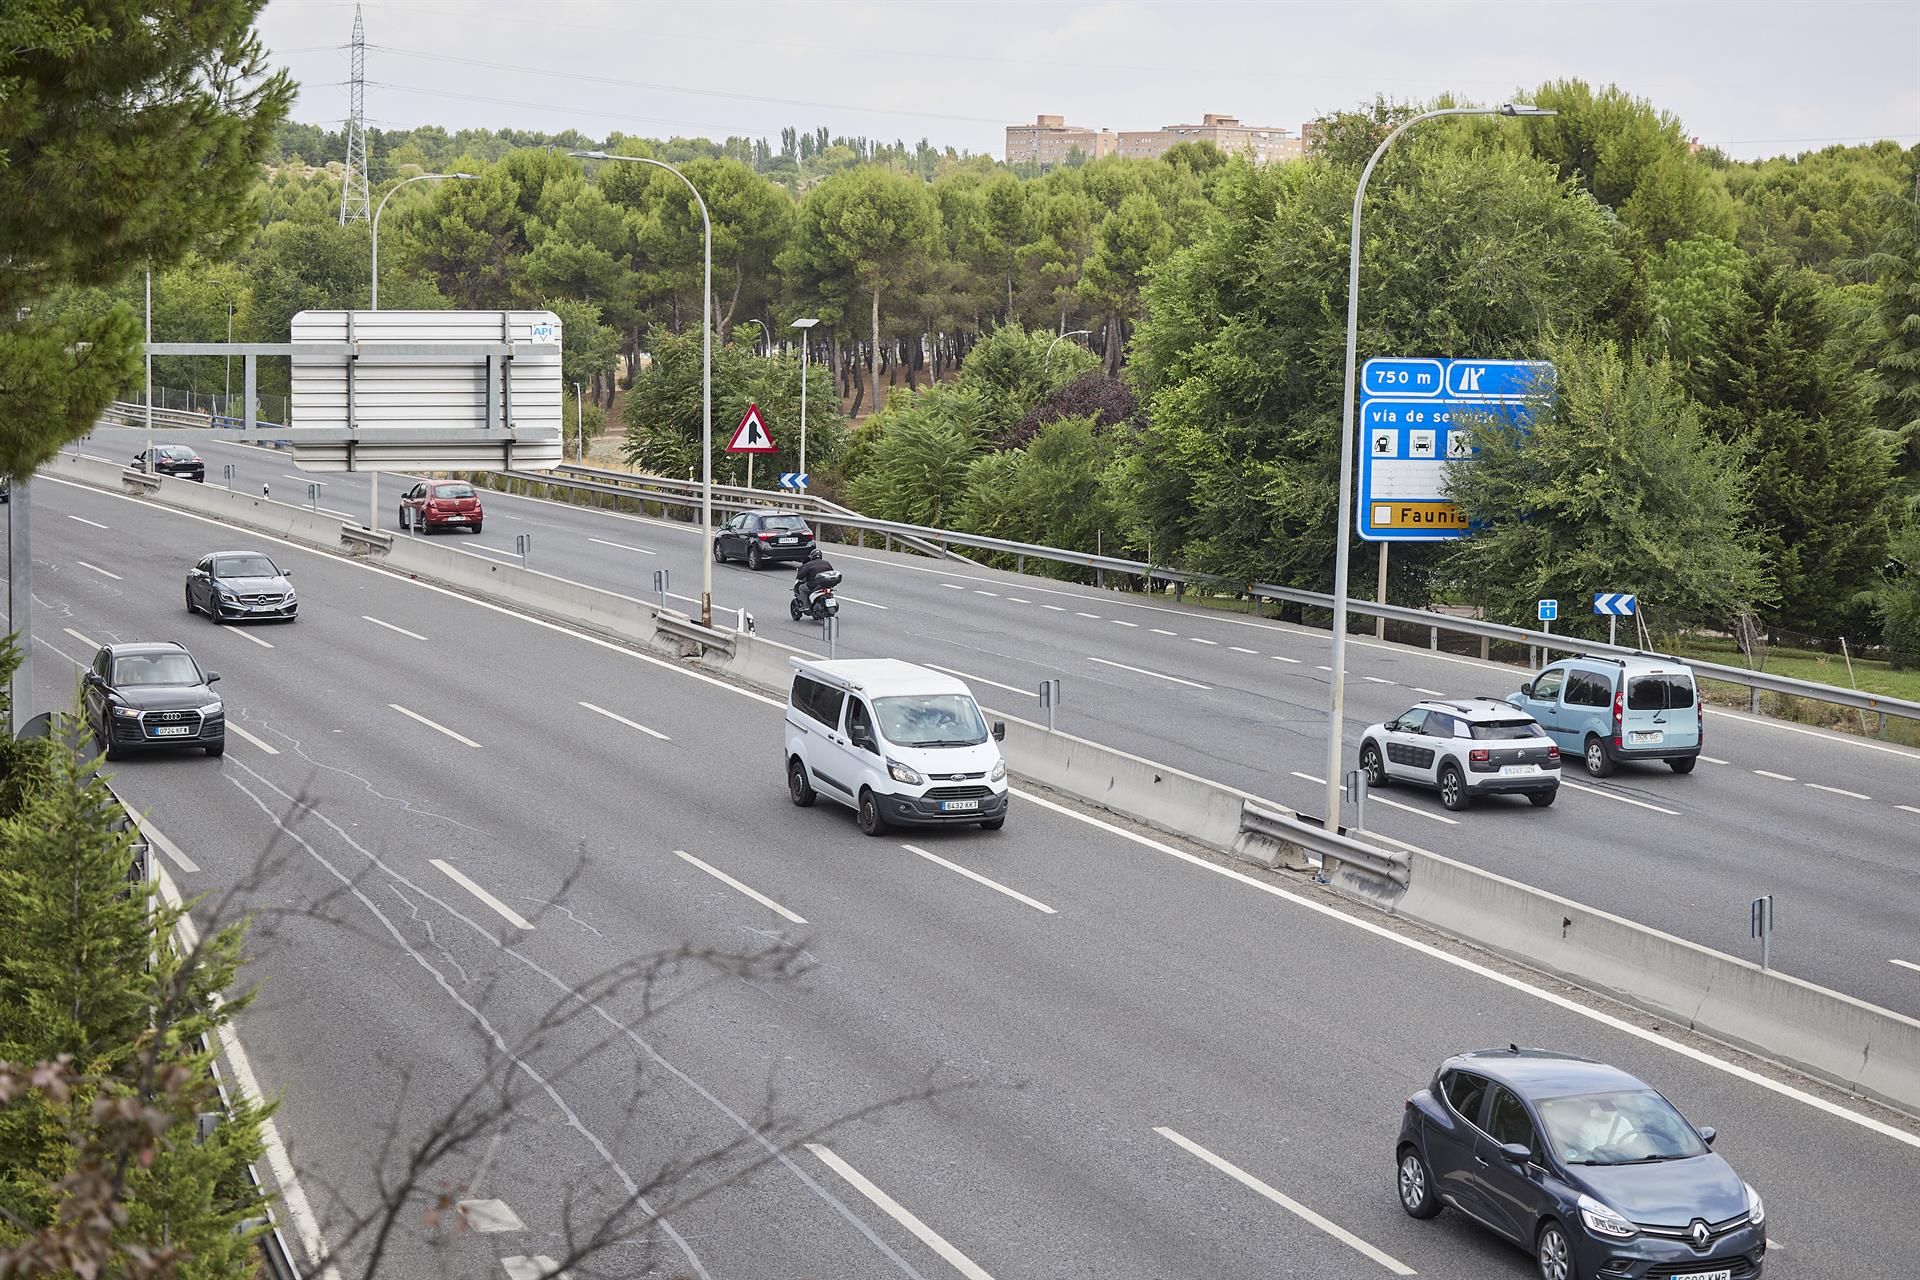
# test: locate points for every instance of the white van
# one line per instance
(899, 744)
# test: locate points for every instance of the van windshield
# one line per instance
(930, 720)
(1659, 693)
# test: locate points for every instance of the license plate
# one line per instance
(1516, 768)
(786, 542)
(959, 806)
(1645, 735)
(172, 730)
(1724, 1273)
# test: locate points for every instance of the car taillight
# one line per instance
(1479, 755)
(1553, 754)
(766, 537)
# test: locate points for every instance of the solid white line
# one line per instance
(1851, 795)
(83, 520)
(1610, 795)
(1025, 693)
(1375, 680)
(1376, 798)
(248, 635)
(266, 747)
(631, 724)
(414, 635)
(1432, 952)
(1141, 671)
(1292, 1206)
(164, 845)
(1161, 631)
(82, 639)
(1201, 640)
(1290, 661)
(506, 912)
(415, 715)
(97, 569)
(1906, 964)
(899, 1213)
(621, 545)
(1431, 693)
(975, 876)
(1237, 649)
(1118, 623)
(1713, 759)
(1777, 777)
(728, 880)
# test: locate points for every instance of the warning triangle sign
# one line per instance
(751, 435)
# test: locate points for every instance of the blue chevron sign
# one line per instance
(794, 479)
(1613, 604)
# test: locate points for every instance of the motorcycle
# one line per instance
(819, 603)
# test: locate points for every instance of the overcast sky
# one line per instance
(1755, 77)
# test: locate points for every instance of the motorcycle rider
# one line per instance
(814, 567)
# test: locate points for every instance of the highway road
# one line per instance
(1827, 823)
(452, 822)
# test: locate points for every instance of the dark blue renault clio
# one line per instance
(1585, 1166)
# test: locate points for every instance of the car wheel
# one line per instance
(1373, 766)
(719, 556)
(1416, 1186)
(1554, 1255)
(1453, 788)
(107, 748)
(217, 749)
(994, 824)
(754, 557)
(870, 820)
(404, 526)
(190, 608)
(477, 524)
(1541, 799)
(1683, 765)
(799, 789)
(1599, 763)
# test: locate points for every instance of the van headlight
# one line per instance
(1756, 1207)
(999, 771)
(1603, 1221)
(904, 773)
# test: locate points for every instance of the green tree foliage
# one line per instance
(1618, 484)
(1693, 287)
(1131, 239)
(1900, 602)
(1894, 267)
(915, 462)
(130, 132)
(588, 348)
(1054, 492)
(663, 411)
(1822, 208)
(1012, 370)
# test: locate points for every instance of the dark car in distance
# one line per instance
(230, 585)
(1583, 1165)
(441, 504)
(763, 537)
(151, 696)
(173, 460)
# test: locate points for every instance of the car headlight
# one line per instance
(1603, 1221)
(226, 594)
(904, 773)
(127, 713)
(1756, 1207)
(212, 709)
(999, 771)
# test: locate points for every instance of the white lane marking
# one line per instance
(1328, 670)
(1906, 964)
(1291, 1205)
(1282, 658)
(1025, 693)
(269, 748)
(994, 594)
(1079, 614)
(1431, 693)
(631, 724)
(975, 876)
(865, 604)
(1142, 671)
(1202, 640)
(415, 715)
(1713, 759)
(1376, 798)
(1118, 623)
(1237, 649)
(730, 882)
(621, 545)
(248, 635)
(539, 1267)
(164, 845)
(489, 554)
(501, 515)
(1777, 777)
(489, 1217)
(1432, 952)
(1907, 807)
(460, 878)
(83, 520)
(1162, 631)
(82, 639)
(413, 635)
(953, 586)
(1851, 795)
(1612, 795)
(1375, 680)
(1018, 600)
(299, 1210)
(97, 569)
(899, 1213)
(1056, 608)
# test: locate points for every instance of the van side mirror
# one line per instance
(1707, 1133)
(999, 730)
(1526, 688)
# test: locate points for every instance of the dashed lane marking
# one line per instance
(82, 639)
(631, 724)
(1026, 693)
(83, 520)
(438, 728)
(899, 1213)
(1839, 791)
(1777, 777)
(460, 878)
(102, 572)
(412, 635)
(731, 883)
(1614, 795)
(977, 878)
(1142, 671)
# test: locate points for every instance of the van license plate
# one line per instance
(172, 730)
(959, 806)
(1645, 735)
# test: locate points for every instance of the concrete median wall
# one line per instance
(1858, 1046)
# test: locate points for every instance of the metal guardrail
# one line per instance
(1333, 850)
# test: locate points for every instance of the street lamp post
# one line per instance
(579, 425)
(226, 406)
(373, 477)
(805, 326)
(706, 369)
(1337, 678)
(148, 464)
(1074, 333)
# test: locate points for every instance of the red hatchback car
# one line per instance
(441, 504)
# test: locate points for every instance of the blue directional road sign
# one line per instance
(794, 479)
(1613, 604)
(1549, 610)
(1408, 410)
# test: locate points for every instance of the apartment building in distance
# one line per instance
(1269, 144)
(1049, 140)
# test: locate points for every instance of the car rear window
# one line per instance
(1659, 693)
(453, 491)
(783, 522)
(1502, 729)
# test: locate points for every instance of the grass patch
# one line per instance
(1869, 675)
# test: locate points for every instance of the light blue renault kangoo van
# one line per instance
(1612, 711)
